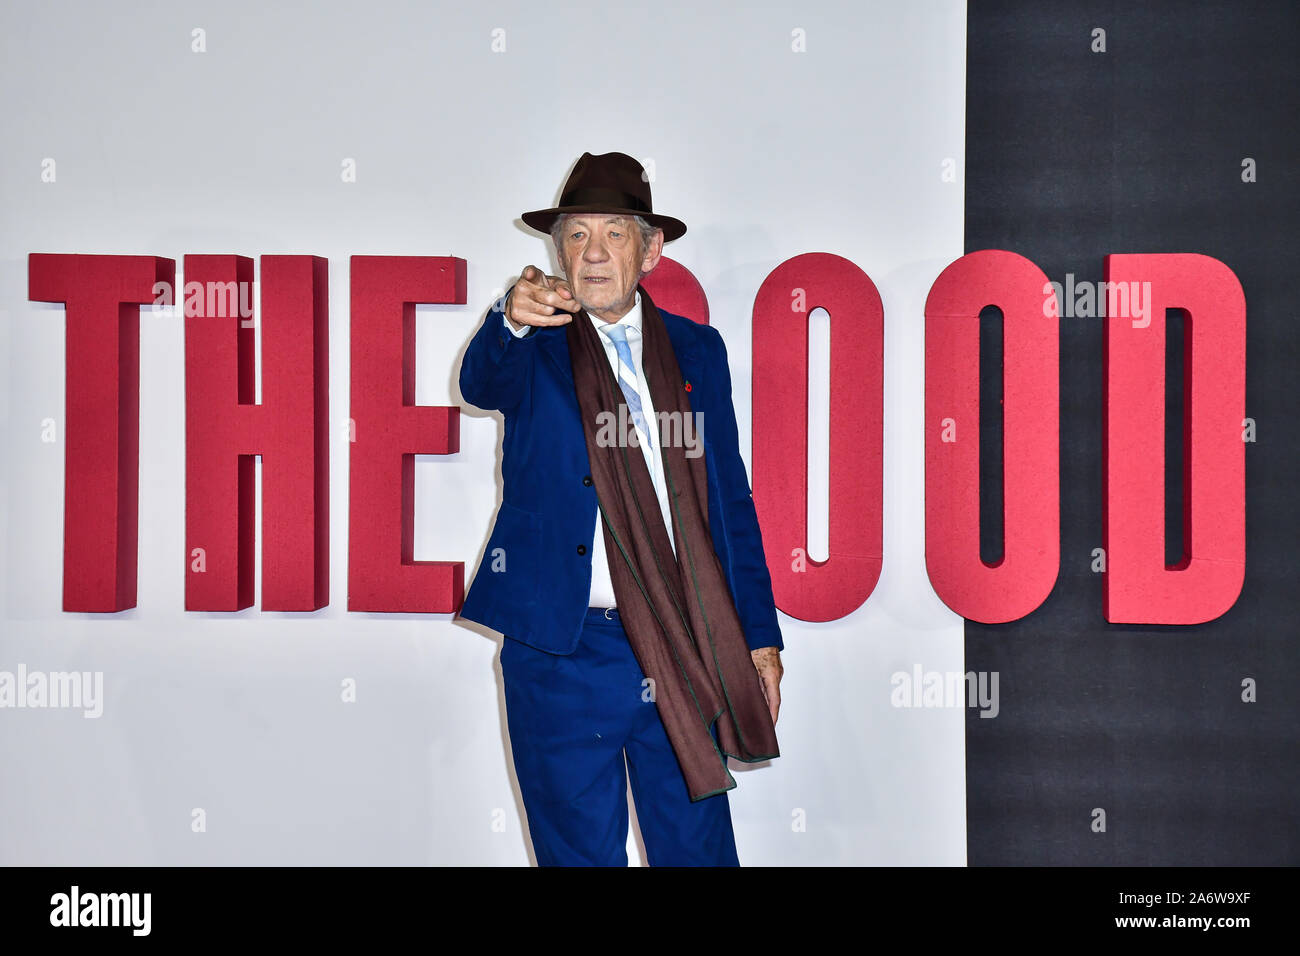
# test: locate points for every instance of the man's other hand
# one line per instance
(767, 661)
(539, 299)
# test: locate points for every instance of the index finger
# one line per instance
(535, 276)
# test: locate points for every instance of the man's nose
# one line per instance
(595, 251)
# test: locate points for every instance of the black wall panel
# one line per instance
(1072, 154)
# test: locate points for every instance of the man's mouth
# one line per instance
(596, 280)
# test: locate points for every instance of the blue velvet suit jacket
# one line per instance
(536, 587)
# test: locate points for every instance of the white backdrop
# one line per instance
(763, 151)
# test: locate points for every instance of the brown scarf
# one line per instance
(677, 610)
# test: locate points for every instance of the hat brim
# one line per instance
(543, 219)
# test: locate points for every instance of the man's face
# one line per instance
(603, 260)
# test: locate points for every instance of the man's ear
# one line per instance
(652, 254)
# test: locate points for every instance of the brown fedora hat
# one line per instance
(613, 183)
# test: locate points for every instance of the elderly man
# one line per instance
(625, 566)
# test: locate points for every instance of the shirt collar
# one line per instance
(630, 321)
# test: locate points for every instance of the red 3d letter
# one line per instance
(103, 295)
(225, 429)
(807, 589)
(675, 289)
(1139, 588)
(1022, 579)
(390, 430)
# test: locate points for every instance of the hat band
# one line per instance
(596, 196)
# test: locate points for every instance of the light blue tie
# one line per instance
(627, 379)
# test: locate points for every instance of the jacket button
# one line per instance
(582, 549)
(586, 480)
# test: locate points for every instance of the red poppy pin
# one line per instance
(688, 386)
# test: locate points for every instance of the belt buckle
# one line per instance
(607, 610)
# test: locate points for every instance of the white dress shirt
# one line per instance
(602, 587)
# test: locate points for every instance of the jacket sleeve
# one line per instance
(497, 368)
(751, 582)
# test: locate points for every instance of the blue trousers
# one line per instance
(572, 718)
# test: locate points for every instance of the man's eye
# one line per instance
(617, 235)
(575, 235)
